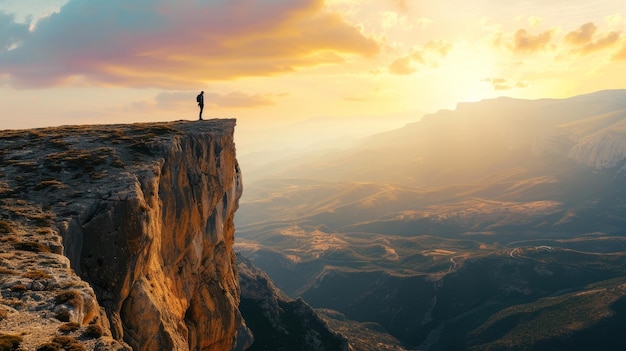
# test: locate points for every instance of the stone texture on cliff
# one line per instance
(143, 215)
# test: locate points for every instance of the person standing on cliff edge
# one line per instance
(200, 101)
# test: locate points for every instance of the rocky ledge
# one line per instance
(120, 236)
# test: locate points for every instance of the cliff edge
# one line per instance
(120, 236)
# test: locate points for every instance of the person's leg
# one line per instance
(201, 108)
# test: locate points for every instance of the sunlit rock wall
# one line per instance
(145, 213)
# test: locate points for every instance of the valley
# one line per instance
(500, 225)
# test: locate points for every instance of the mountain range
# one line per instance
(484, 227)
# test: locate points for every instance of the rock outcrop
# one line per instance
(279, 322)
(143, 216)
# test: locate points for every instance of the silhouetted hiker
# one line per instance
(200, 100)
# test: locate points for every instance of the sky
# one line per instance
(373, 64)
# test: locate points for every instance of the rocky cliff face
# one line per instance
(143, 215)
(279, 322)
(604, 144)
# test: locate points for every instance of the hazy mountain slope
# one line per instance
(589, 319)
(602, 147)
(432, 229)
(463, 145)
(260, 155)
(501, 163)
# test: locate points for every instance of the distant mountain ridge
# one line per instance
(588, 129)
(489, 227)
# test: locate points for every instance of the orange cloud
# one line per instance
(527, 43)
(582, 35)
(504, 84)
(402, 66)
(583, 39)
(606, 42)
(179, 43)
(429, 54)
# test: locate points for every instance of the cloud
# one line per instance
(582, 35)
(429, 54)
(521, 41)
(402, 66)
(504, 84)
(583, 39)
(524, 42)
(12, 33)
(179, 43)
(603, 43)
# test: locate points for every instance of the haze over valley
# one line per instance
(445, 231)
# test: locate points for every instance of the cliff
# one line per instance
(120, 236)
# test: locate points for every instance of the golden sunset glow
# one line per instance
(272, 63)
